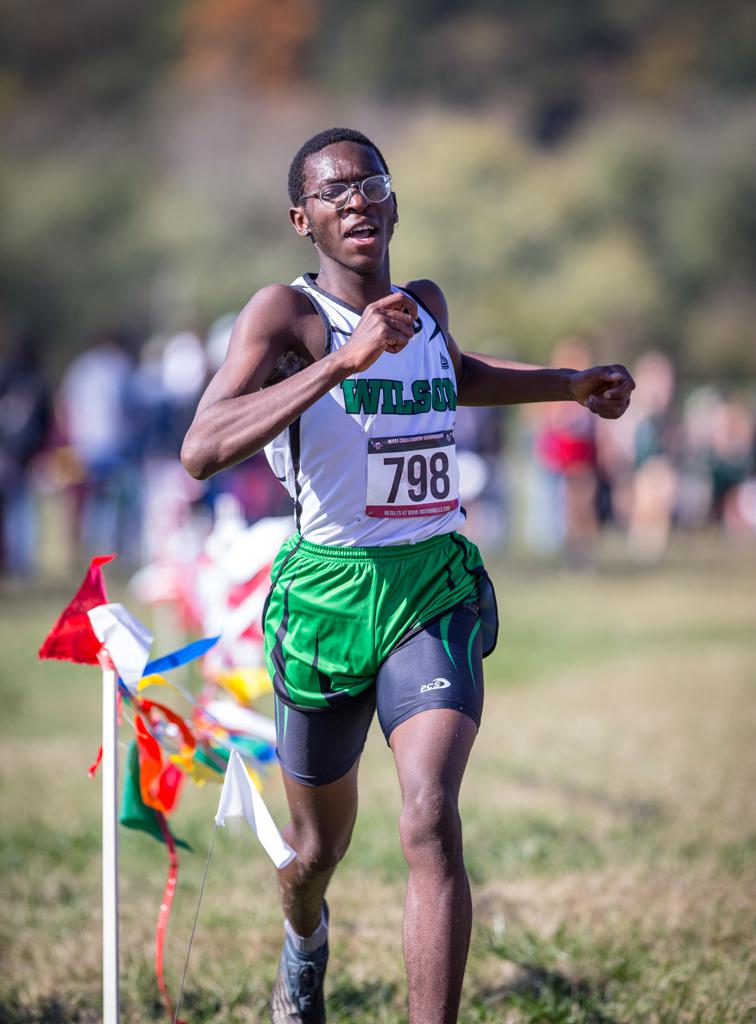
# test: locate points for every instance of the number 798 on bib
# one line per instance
(412, 476)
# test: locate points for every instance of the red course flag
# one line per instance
(72, 637)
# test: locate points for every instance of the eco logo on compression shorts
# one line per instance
(438, 684)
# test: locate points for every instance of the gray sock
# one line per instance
(308, 943)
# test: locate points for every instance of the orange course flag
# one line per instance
(159, 782)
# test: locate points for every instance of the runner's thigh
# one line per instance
(439, 666)
(318, 747)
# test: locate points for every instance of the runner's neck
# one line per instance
(357, 290)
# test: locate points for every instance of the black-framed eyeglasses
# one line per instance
(374, 189)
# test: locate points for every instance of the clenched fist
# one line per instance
(385, 326)
(604, 390)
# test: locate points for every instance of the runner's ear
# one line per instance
(299, 220)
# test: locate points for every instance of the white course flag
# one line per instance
(235, 718)
(128, 642)
(240, 799)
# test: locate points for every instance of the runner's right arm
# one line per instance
(238, 415)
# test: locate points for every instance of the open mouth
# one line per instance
(363, 232)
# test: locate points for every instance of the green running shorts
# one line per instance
(334, 614)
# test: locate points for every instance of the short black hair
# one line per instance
(314, 145)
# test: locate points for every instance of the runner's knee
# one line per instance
(430, 828)
(317, 853)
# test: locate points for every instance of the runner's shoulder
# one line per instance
(281, 316)
(432, 297)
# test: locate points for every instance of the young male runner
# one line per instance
(351, 384)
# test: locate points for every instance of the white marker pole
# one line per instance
(110, 1008)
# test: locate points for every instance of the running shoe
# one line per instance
(297, 996)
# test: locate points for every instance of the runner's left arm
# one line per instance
(489, 380)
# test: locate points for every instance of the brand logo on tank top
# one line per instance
(371, 395)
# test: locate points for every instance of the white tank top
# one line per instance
(373, 462)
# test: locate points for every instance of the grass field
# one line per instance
(609, 820)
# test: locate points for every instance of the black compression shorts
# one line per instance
(438, 666)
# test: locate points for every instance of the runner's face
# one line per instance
(358, 235)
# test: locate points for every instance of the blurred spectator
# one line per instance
(719, 438)
(561, 513)
(482, 483)
(184, 375)
(694, 496)
(162, 397)
(25, 417)
(732, 443)
(655, 478)
(740, 515)
(94, 420)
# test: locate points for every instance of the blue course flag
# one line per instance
(180, 657)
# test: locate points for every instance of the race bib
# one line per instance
(412, 476)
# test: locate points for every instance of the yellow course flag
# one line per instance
(246, 684)
(154, 680)
(197, 771)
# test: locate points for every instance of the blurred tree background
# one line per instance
(559, 166)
